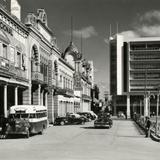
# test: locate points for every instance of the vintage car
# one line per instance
(71, 119)
(85, 115)
(103, 120)
(121, 115)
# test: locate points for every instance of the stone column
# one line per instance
(146, 105)
(16, 95)
(128, 106)
(50, 108)
(39, 94)
(27, 95)
(46, 100)
(41, 100)
(5, 101)
(114, 106)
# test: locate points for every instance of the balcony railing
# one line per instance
(20, 73)
(64, 91)
(9, 69)
(37, 76)
(86, 97)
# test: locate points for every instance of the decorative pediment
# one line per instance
(31, 19)
(72, 50)
(42, 16)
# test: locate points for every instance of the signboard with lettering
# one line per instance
(77, 82)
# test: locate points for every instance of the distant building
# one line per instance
(134, 73)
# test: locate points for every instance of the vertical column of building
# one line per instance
(5, 101)
(55, 99)
(36, 95)
(128, 106)
(42, 97)
(114, 105)
(50, 107)
(27, 96)
(146, 105)
(16, 95)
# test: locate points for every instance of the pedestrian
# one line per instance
(147, 126)
(4, 127)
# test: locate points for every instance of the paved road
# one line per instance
(82, 142)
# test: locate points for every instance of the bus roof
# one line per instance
(27, 108)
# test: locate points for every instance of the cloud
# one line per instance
(151, 16)
(130, 34)
(149, 30)
(85, 32)
(147, 25)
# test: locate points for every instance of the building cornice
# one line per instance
(13, 18)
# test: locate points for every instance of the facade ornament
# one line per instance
(42, 16)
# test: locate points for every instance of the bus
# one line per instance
(27, 119)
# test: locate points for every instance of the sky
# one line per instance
(92, 18)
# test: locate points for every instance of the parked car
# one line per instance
(85, 115)
(89, 115)
(93, 114)
(71, 119)
(60, 121)
(104, 120)
(78, 115)
(121, 115)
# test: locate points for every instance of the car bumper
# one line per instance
(101, 125)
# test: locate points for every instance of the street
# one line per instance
(83, 142)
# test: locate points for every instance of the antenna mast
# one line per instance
(71, 29)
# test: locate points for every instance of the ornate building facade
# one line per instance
(33, 70)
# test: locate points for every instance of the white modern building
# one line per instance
(134, 74)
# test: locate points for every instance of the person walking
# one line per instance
(4, 127)
(147, 126)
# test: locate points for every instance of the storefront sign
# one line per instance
(6, 28)
(77, 82)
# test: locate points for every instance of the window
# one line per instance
(4, 51)
(12, 55)
(18, 60)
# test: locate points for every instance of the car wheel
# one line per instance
(62, 123)
(42, 130)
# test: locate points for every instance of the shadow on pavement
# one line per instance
(141, 132)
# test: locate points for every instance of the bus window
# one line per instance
(32, 115)
(17, 116)
(24, 115)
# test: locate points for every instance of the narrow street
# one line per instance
(83, 142)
